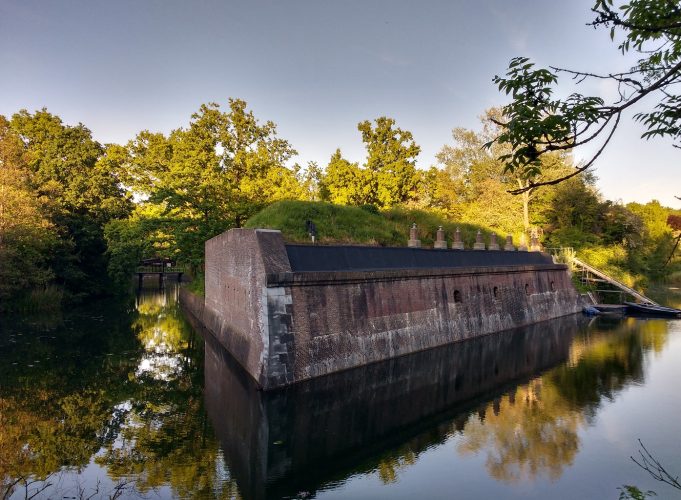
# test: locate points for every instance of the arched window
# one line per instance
(527, 288)
(457, 296)
(496, 292)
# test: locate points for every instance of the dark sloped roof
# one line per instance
(361, 258)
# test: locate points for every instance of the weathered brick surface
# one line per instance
(237, 302)
(286, 327)
(341, 324)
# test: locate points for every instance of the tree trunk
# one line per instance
(526, 208)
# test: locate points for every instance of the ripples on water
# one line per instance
(111, 400)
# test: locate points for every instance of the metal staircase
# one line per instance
(588, 273)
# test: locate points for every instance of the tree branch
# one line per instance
(653, 467)
(577, 171)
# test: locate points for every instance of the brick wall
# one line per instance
(285, 326)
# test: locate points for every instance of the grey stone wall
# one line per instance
(285, 326)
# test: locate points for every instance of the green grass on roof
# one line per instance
(339, 224)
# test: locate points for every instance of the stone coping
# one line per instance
(312, 278)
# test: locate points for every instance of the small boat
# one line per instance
(590, 311)
(647, 309)
(612, 309)
(608, 310)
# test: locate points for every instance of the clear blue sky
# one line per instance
(314, 67)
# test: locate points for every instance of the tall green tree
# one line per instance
(391, 160)
(440, 192)
(69, 172)
(211, 176)
(347, 183)
(313, 183)
(26, 236)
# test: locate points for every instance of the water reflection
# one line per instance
(533, 430)
(290, 441)
(164, 335)
(666, 294)
(380, 419)
(113, 396)
(110, 398)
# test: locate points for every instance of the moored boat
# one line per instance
(643, 309)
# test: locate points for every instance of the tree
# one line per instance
(313, 183)
(440, 193)
(389, 176)
(391, 159)
(211, 176)
(538, 124)
(483, 184)
(347, 183)
(80, 192)
(26, 236)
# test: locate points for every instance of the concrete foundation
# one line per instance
(289, 314)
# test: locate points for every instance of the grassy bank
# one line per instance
(44, 299)
(339, 224)
(637, 264)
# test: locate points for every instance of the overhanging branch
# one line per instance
(577, 171)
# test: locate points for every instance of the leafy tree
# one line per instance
(389, 176)
(439, 192)
(574, 215)
(314, 184)
(537, 123)
(347, 183)
(26, 236)
(71, 173)
(482, 184)
(656, 241)
(146, 233)
(210, 176)
(391, 159)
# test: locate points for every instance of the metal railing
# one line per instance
(567, 255)
(160, 270)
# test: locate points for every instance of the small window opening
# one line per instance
(553, 287)
(457, 296)
(496, 292)
(527, 289)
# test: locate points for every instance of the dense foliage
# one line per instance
(71, 208)
(57, 191)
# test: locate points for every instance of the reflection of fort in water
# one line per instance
(299, 438)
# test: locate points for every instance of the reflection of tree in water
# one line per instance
(601, 365)
(132, 403)
(388, 467)
(533, 431)
(38, 437)
(164, 335)
(527, 433)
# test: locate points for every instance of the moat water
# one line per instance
(128, 400)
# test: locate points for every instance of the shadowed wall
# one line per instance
(292, 313)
